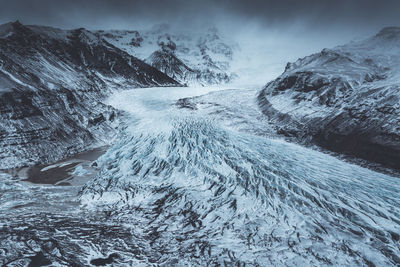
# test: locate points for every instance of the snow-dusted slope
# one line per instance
(188, 57)
(346, 99)
(52, 82)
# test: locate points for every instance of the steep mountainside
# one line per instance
(345, 99)
(188, 57)
(52, 82)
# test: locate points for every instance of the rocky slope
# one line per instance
(52, 83)
(345, 99)
(190, 58)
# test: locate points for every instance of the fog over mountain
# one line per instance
(275, 31)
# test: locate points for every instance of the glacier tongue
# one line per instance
(192, 191)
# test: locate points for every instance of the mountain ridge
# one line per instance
(345, 99)
(52, 83)
(201, 59)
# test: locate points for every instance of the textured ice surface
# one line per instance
(199, 191)
(183, 186)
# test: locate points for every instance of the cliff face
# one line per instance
(345, 99)
(52, 83)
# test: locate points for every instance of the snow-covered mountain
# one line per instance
(188, 57)
(52, 82)
(345, 99)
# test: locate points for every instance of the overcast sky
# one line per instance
(356, 14)
(283, 29)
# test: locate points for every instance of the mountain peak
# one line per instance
(16, 23)
(83, 35)
(18, 26)
(15, 28)
(10, 25)
(389, 33)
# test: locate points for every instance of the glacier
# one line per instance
(178, 188)
(216, 194)
(196, 176)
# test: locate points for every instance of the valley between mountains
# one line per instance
(146, 148)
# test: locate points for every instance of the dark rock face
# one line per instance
(39, 260)
(44, 125)
(166, 61)
(52, 83)
(346, 99)
(104, 261)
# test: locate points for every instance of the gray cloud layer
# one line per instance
(356, 14)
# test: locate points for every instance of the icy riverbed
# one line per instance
(199, 185)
